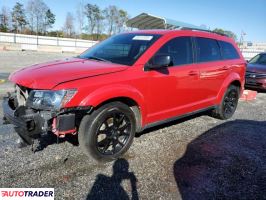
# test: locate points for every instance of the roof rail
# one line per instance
(198, 29)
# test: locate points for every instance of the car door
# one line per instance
(173, 90)
(212, 68)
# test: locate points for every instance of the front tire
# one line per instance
(228, 105)
(108, 132)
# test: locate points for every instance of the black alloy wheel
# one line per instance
(228, 106)
(107, 132)
(230, 102)
(113, 133)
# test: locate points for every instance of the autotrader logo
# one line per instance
(27, 193)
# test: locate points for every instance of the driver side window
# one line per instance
(179, 49)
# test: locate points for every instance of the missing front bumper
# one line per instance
(28, 123)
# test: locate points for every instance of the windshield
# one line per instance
(259, 59)
(123, 49)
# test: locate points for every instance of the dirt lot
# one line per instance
(195, 158)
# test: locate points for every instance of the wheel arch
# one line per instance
(132, 104)
(233, 79)
(127, 95)
(236, 83)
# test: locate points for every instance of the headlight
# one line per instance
(49, 99)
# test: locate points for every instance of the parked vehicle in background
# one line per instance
(125, 84)
(256, 73)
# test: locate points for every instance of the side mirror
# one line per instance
(159, 61)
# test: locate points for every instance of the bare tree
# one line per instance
(111, 14)
(37, 13)
(99, 23)
(80, 16)
(4, 19)
(69, 25)
(121, 20)
(93, 13)
(49, 20)
(18, 17)
(116, 19)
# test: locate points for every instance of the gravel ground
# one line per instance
(196, 158)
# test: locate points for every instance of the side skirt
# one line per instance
(177, 117)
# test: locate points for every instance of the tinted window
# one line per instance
(259, 59)
(122, 49)
(207, 50)
(180, 50)
(228, 50)
(116, 50)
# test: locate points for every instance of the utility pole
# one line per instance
(241, 41)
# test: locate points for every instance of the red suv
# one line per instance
(126, 84)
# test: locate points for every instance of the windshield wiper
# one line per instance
(97, 58)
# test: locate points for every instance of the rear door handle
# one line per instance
(193, 73)
(224, 68)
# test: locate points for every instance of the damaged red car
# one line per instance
(125, 84)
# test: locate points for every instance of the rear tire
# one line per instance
(108, 132)
(228, 105)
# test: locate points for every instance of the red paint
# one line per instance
(159, 96)
(50, 74)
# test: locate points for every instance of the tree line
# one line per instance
(88, 22)
(35, 18)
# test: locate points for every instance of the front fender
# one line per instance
(106, 93)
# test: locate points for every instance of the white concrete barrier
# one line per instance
(250, 53)
(33, 42)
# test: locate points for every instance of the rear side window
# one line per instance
(207, 50)
(180, 50)
(228, 51)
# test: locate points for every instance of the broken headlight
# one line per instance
(49, 99)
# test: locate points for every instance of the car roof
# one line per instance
(199, 33)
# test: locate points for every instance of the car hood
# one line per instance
(48, 75)
(258, 68)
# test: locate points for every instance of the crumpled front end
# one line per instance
(31, 122)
